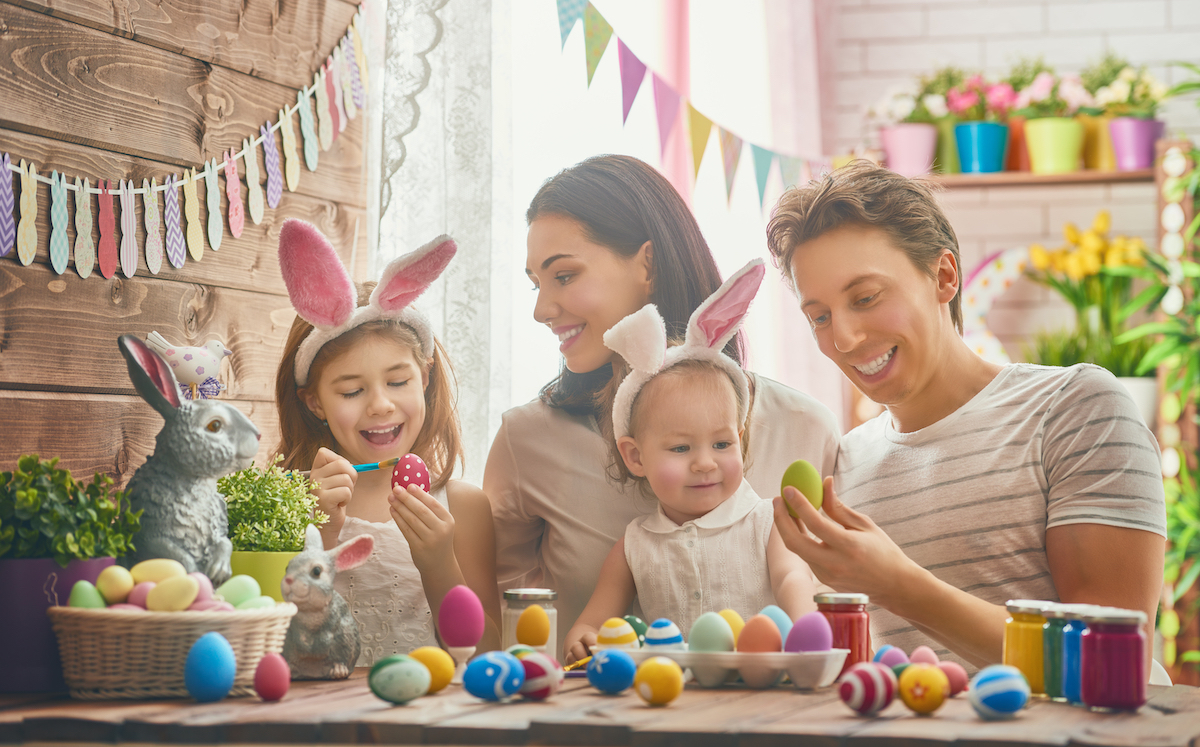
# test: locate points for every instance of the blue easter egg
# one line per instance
(210, 668)
(611, 671)
(998, 692)
(495, 675)
(881, 651)
(780, 618)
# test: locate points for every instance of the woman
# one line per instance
(606, 237)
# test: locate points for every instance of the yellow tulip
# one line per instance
(1118, 243)
(1102, 222)
(1058, 259)
(1090, 262)
(1039, 257)
(1074, 267)
(1070, 233)
(1091, 241)
(1114, 257)
(1135, 252)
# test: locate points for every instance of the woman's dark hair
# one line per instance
(621, 203)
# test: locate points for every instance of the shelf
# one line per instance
(1029, 179)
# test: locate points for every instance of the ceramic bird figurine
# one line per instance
(196, 368)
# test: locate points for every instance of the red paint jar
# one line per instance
(1113, 659)
(847, 615)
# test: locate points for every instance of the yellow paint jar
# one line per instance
(1023, 640)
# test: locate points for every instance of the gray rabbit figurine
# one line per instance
(183, 515)
(322, 641)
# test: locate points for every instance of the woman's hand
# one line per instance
(580, 641)
(336, 477)
(426, 524)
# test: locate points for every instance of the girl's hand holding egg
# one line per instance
(336, 478)
(427, 526)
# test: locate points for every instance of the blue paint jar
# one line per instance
(1071, 635)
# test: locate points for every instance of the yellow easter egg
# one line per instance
(173, 594)
(439, 664)
(924, 687)
(736, 623)
(156, 570)
(533, 626)
(658, 681)
(114, 583)
(616, 632)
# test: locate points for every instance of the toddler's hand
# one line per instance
(581, 648)
(336, 477)
(426, 524)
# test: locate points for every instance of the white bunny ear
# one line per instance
(716, 320)
(317, 282)
(640, 338)
(407, 277)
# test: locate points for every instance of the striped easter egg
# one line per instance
(617, 633)
(543, 676)
(868, 688)
(664, 635)
(998, 692)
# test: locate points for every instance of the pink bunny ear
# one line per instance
(353, 552)
(716, 320)
(407, 277)
(317, 283)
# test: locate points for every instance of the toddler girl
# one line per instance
(363, 380)
(678, 419)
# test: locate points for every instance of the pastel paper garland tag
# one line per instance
(108, 226)
(129, 247)
(212, 200)
(254, 193)
(60, 250)
(8, 223)
(307, 132)
(176, 250)
(291, 161)
(85, 248)
(233, 190)
(324, 123)
(271, 157)
(352, 62)
(191, 211)
(334, 76)
(345, 83)
(154, 242)
(360, 52)
(27, 233)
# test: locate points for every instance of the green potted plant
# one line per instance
(1132, 100)
(53, 532)
(1019, 77)
(269, 511)
(933, 90)
(1097, 141)
(1054, 137)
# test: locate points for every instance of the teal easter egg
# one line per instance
(710, 632)
(238, 589)
(209, 669)
(998, 692)
(611, 671)
(780, 618)
(84, 594)
(399, 679)
(495, 675)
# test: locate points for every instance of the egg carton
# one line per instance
(808, 670)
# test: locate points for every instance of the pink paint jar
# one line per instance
(1113, 659)
(847, 616)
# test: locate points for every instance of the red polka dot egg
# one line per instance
(411, 470)
(868, 688)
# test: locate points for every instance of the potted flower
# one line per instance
(53, 532)
(269, 511)
(1132, 100)
(1019, 78)
(932, 91)
(981, 134)
(1054, 137)
(907, 133)
(1097, 142)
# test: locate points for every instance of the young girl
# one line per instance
(363, 380)
(678, 419)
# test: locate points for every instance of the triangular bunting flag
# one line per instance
(731, 152)
(789, 169)
(633, 72)
(701, 127)
(762, 168)
(596, 33)
(666, 106)
(569, 11)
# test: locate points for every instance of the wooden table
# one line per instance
(346, 712)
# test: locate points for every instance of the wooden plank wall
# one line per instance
(146, 88)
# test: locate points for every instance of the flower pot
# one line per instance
(1133, 141)
(909, 147)
(267, 568)
(1055, 144)
(1144, 390)
(1018, 154)
(981, 146)
(1097, 143)
(946, 161)
(27, 646)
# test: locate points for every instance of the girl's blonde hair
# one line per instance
(302, 433)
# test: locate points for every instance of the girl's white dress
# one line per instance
(385, 593)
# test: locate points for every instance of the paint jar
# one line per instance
(847, 616)
(515, 602)
(1023, 640)
(1071, 634)
(1055, 616)
(1113, 659)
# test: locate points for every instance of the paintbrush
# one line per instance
(369, 467)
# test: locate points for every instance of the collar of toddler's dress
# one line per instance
(733, 510)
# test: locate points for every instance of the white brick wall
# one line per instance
(883, 42)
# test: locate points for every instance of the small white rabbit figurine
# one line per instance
(322, 641)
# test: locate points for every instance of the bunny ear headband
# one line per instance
(641, 339)
(324, 296)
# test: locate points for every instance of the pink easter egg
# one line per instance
(137, 597)
(893, 656)
(211, 605)
(272, 677)
(206, 587)
(867, 688)
(923, 655)
(543, 676)
(460, 617)
(411, 470)
(956, 674)
(126, 606)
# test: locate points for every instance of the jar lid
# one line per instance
(1076, 611)
(1114, 616)
(839, 598)
(1055, 611)
(1026, 606)
(531, 595)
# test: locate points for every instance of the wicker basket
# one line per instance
(110, 654)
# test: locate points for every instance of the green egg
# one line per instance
(84, 594)
(639, 626)
(899, 668)
(238, 589)
(256, 603)
(399, 679)
(710, 632)
(803, 477)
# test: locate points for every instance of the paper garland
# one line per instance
(254, 193)
(325, 125)
(331, 96)
(233, 190)
(154, 242)
(191, 213)
(129, 249)
(596, 34)
(633, 72)
(107, 250)
(212, 201)
(59, 248)
(85, 249)
(356, 85)
(27, 233)
(346, 83)
(291, 161)
(8, 225)
(307, 133)
(274, 177)
(176, 250)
